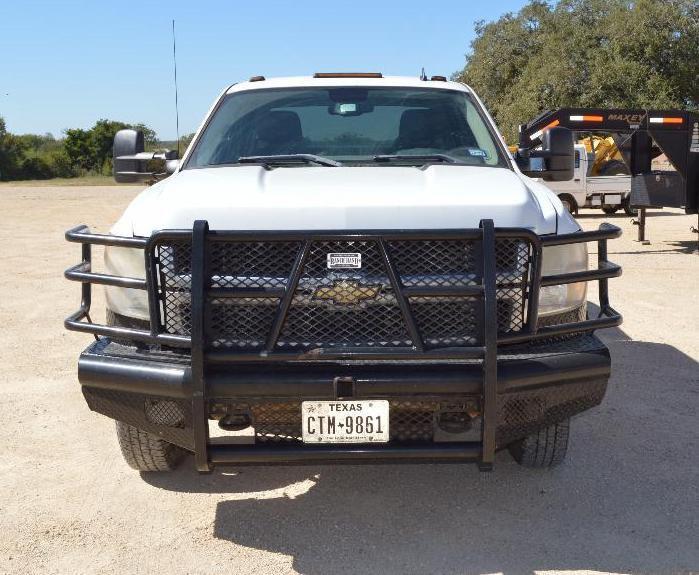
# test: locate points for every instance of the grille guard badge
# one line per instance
(346, 292)
(344, 261)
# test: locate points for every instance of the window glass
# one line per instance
(351, 125)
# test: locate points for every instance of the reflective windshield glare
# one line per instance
(350, 125)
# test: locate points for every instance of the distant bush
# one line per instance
(36, 168)
(36, 157)
(185, 141)
(61, 165)
(11, 154)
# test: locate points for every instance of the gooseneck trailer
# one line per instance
(641, 135)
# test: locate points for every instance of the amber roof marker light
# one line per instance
(348, 75)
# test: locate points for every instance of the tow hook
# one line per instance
(235, 421)
(454, 421)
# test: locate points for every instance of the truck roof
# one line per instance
(310, 81)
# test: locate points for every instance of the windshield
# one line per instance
(349, 125)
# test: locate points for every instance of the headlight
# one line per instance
(126, 262)
(560, 260)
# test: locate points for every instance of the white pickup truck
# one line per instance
(344, 268)
(609, 192)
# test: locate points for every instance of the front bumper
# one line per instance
(537, 386)
(457, 391)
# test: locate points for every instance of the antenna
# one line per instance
(177, 109)
(423, 76)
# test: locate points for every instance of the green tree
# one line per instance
(91, 150)
(36, 168)
(78, 148)
(101, 139)
(587, 53)
(11, 153)
(150, 137)
(32, 156)
(61, 165)
(185, 141)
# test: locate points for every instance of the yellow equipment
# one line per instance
(608, 159)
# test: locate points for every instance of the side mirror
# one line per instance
(131, 164)
(557, 153)
(125, 166)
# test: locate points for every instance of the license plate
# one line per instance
(363, 421)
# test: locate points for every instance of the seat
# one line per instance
(419, 129)
(278, 132)
(433, 129)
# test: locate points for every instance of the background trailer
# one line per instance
(640, 135)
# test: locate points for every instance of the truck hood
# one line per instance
(319, 198)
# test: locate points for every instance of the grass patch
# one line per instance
(80, 181)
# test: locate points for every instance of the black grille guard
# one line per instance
(202, 293)
(201, 290)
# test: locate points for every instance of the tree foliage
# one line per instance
(150, 138)
(91, 150)
(185, 141)
(31, 156)
(11, 153)
(586, 53)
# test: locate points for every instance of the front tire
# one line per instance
(145, 452)
(545, 448)
(569, 203)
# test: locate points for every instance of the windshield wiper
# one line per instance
(282, 159)
(421, 158)
(417, 158)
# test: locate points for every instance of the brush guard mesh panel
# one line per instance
(167, 418)
(344, 307)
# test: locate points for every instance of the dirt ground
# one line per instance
(625, 502)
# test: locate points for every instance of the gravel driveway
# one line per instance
(626, 501)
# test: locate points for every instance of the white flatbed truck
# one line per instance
(609, 193)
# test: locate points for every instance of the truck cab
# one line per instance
(344, 268)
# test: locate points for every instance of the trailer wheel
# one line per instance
(609, 210)
(146, 452)
(569, 203)
(545, 448)
(628, 210)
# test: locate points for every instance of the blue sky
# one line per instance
(66, 63)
